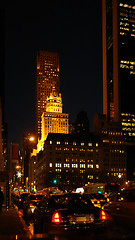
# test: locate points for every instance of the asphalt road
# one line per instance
(14, 226)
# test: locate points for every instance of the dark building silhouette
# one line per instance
(4, 157)
(118, 28)
(28, 144)
(2, 61)
(81, 124)
(119, 63)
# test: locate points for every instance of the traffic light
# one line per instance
(54, 181)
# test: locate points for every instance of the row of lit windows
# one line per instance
(75, 149)
(126, 66)
(128, 124)
(128, 115)
(76, 160)
(111, 133)
(118, 169)
(74, 143)
(126, 6)
(114, 142)
(73, 165)
(128, 129)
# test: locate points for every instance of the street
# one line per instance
(121, 228)
(14, 226)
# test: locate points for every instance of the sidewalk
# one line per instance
(12, 226)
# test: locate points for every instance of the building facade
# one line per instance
(28, 144)
(118, 28)
(114, 158)
(47, 77)
(69, 161)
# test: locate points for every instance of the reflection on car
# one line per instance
(65, 212)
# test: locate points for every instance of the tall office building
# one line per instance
(118, 21)
(47, 77)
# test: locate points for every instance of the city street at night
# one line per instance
(67, 120)
(14, 226)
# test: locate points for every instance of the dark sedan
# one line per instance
(65, 212)
(21, 200)
(30, 204)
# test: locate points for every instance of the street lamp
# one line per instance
(31, 139)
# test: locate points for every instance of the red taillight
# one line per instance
(108, 200)
(56, 218)
(103, 216)
(98, 202)
(20, 200)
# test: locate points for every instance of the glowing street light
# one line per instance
(119, 176)
(31, 139)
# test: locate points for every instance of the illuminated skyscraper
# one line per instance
(53, 119)
(47, 77)
(118, 27)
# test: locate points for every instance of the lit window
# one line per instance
(50, 142)
(66, 143)
(90, 144)
(74, 165)
(96, 144)
(90, 165)
(90, 176)
(66, 165)
(74, 143)
(58, 142)
(82, 144)
(58, 170)
(82, 165)
(58, 165)
(50, 165)
(97, 166)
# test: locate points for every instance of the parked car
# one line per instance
(21, 199)
(30, 204)
(64, 212)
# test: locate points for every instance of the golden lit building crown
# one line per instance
(53, 120)
(54, 102)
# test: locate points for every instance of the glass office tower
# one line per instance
(118, 28)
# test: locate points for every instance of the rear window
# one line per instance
(36, 197)
(70, 201)
(23, 196)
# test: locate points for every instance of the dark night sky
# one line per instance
(71, 28)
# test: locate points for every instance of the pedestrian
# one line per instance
(1, 199)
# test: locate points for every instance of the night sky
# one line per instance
(71, 28)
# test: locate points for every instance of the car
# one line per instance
(66, 212)
(123, 203)
(30, 204)
(122, 208)
(94, 200)
(100, 197)
(21, 199)
(14, 198)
